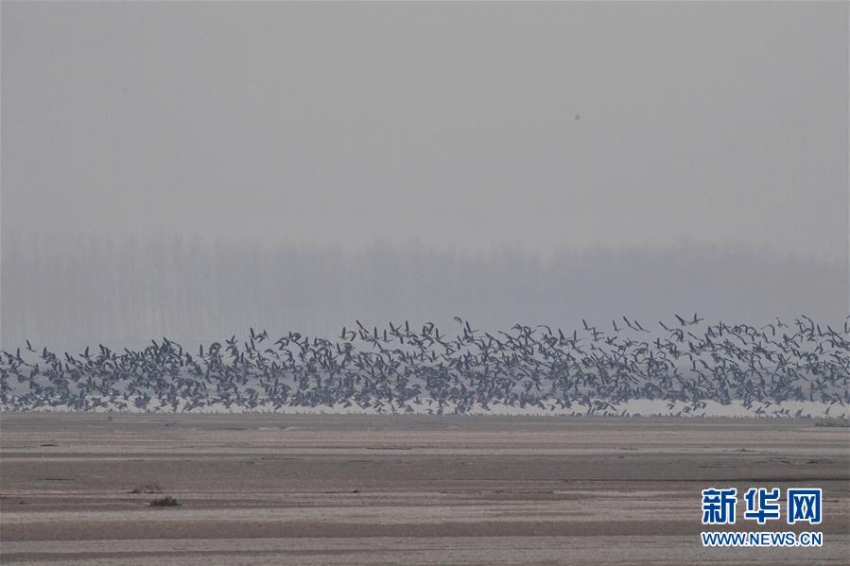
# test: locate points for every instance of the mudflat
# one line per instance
(357, 489)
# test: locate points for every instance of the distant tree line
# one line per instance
(66, 291)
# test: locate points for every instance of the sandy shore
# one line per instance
(313, 489)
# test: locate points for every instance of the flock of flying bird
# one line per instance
(402, 369)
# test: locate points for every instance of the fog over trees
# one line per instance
(147, 144)
(65, 292)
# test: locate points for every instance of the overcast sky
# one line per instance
(544, 125)
(476, 126)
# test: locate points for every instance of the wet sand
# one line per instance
(260, 489)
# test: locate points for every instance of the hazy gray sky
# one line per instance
(605, 131)
(543, 125)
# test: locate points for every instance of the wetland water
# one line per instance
(348, 489)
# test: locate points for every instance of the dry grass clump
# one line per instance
(146, 488)
(166, 501)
